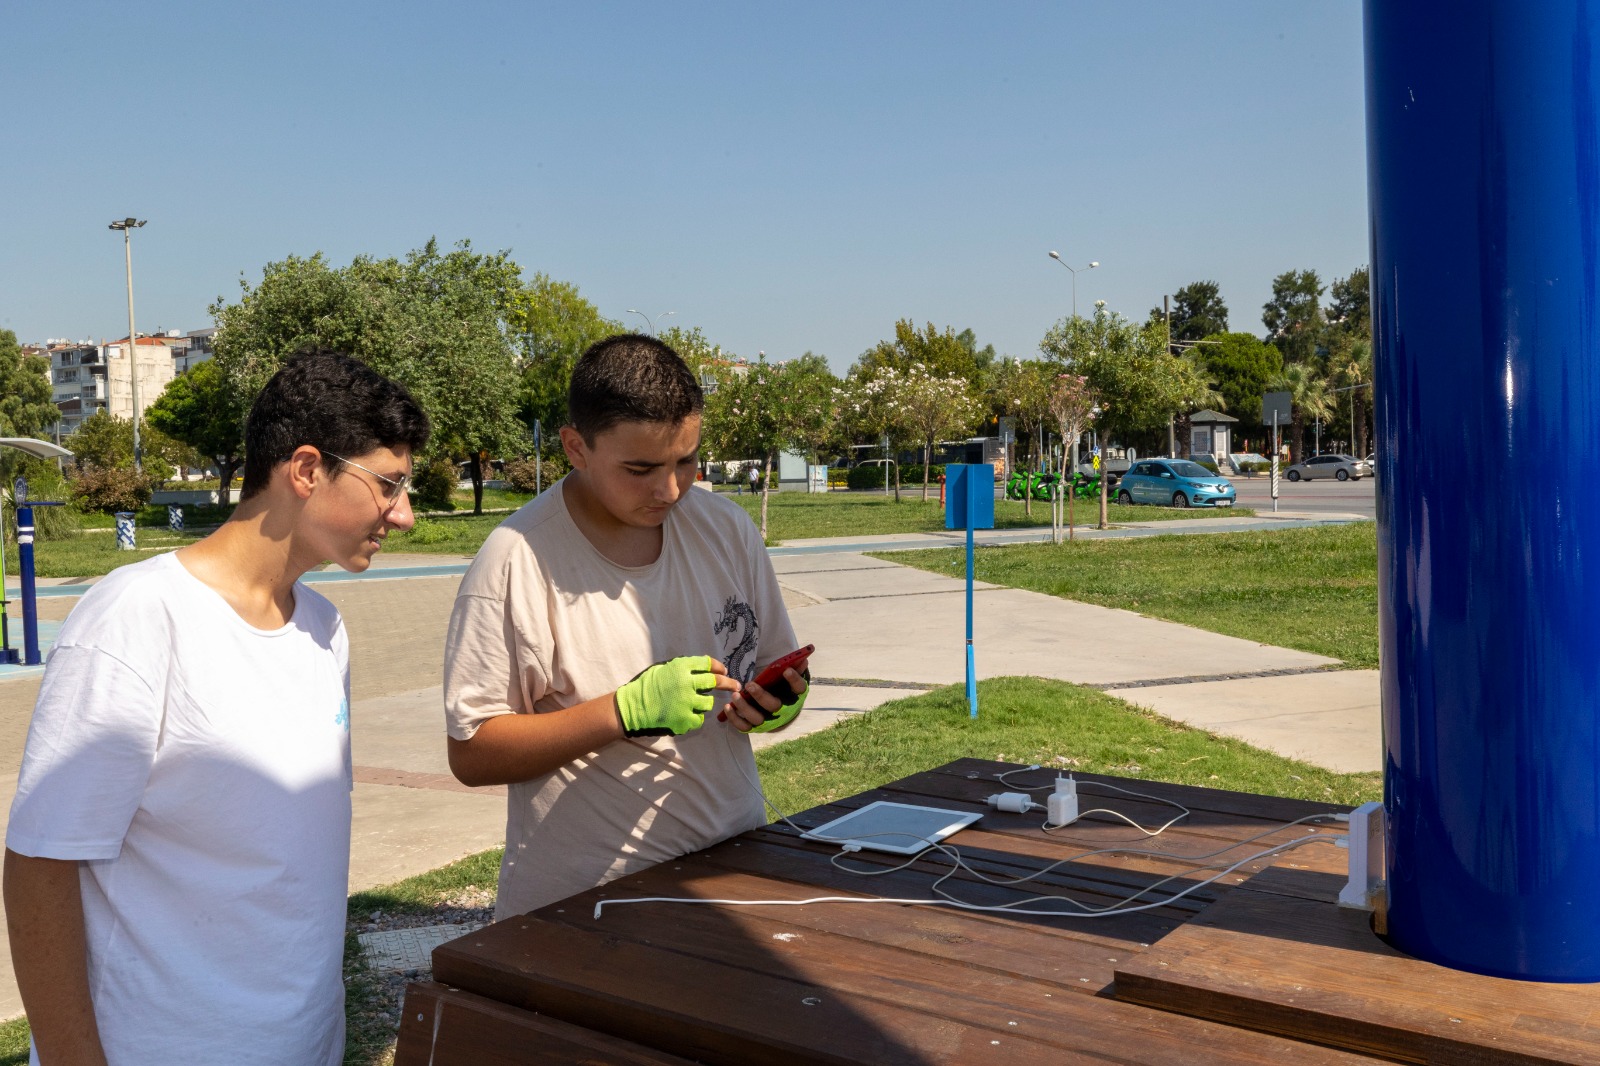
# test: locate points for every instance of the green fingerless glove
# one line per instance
(667, 699)
(791, 705)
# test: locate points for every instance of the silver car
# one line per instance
(1342, 467)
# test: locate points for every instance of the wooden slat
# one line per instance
(442, 1026)
(717, 988)
(1292, 963)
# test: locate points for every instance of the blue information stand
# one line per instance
(969, 505)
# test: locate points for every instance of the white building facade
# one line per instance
(85, 378)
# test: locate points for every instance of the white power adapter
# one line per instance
(1062, 807)
(1015, 802)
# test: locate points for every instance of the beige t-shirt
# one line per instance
(543, 621)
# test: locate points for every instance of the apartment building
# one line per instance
(86, 378)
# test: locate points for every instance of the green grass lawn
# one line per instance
(1312, 589)
(790, 516)
(802, 516)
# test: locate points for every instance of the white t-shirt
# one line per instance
(200, 768)
(543, 621)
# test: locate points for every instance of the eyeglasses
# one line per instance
(395, 489)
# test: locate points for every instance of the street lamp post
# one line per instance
(1057, 257)
(127, 226)
(651, 322)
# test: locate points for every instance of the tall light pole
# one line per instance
(1057, 257)
(127, 226)
(647, 318)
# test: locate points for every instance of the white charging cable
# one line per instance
(1022, 803)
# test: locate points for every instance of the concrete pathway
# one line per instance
(882, 631)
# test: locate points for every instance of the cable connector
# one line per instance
(1062, 806)
(1015, 802)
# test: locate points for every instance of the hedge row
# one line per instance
(871, 477)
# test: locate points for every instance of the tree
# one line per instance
(1349, 305)
(1351, 360)
(1242, 369)
(764, 408)
(198, 408)
(1197, 311)
(928, 406)
(26, 409)
(106, 441)
(437, 322)
(945, 354)
(872, 413)
(1293, 316)
(1309, 399)
(1139, 383)
(1072, 405)
(1020, 389)
(552, 326)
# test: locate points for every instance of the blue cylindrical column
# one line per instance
(1483, 122)
(30, 605)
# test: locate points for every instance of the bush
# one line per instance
(871, 477)
(428, 531)
(520, 472)
(45, 482)
(1208, 465)
(433, 486)
(1251, 468)
(95, 488)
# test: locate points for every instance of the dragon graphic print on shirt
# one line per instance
(738, 656)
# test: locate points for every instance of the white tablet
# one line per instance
(902, 828)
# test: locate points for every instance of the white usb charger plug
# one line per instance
(1062, 806)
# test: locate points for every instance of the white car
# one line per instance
(1341, 467)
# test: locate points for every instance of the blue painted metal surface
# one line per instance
(1483, 122)
(969, 505)
(30, 610)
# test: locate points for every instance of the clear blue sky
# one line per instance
(785, 176)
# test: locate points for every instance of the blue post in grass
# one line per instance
(969, 505)
(1483, 126)
(30, 611)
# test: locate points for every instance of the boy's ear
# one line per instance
(302, 469)
(577, 451)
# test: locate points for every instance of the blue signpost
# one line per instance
(969, 505)
(1484, 185)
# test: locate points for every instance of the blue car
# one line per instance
(1174, 483)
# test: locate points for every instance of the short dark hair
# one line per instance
(332, 402)
(630, 378)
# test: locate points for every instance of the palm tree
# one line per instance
(1355, 367)
(1310, 399)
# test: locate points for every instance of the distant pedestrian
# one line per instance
(755, 477)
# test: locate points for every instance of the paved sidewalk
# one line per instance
(882, 631)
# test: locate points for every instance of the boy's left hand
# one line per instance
(745, 710)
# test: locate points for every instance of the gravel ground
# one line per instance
(372, 999)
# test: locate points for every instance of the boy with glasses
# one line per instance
(178, 851)
(615, 764)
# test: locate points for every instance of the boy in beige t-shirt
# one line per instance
(616, 764)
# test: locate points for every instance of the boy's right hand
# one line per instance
(673, 697)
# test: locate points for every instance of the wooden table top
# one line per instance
(873, 984)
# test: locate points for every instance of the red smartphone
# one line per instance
(772, 678)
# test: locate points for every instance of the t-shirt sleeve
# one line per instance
(482, 673)
(91, 745)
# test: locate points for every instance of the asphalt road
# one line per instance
(1352, 497)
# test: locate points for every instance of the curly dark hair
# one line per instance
(630, 378)
(332, 402)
